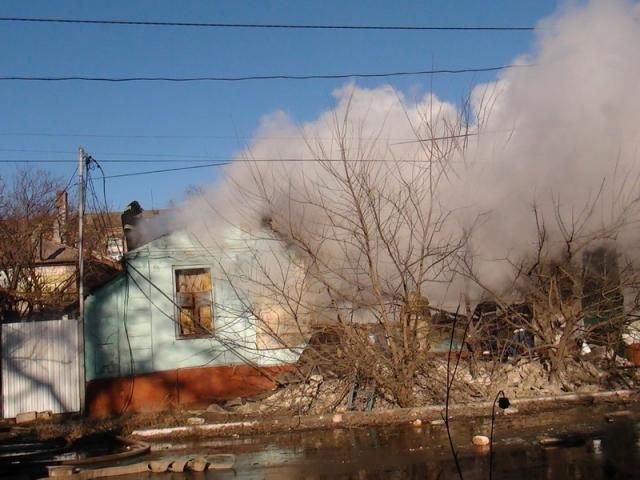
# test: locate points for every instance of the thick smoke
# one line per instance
(560, 133)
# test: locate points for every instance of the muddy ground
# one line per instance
(599, 440)
(321, 402)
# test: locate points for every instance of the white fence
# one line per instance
(40, 369)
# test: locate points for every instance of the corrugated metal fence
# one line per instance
(40, 367)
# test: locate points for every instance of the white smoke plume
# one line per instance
(561, 134)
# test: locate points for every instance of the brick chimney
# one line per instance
(60, 222)
(131, 218)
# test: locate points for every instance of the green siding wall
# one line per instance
(130, 323)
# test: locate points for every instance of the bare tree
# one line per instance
(27, 215)
(572, 283)
(351, 244)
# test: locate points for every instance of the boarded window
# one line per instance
(194, 299)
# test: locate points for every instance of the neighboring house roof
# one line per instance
(51, 252)
(98, 268)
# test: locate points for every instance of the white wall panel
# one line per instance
(40, 367)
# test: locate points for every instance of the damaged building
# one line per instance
(171, 330)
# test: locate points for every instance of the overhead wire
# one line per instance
(164, 170)
(224, 160)
(272, 26)
(243, 78)
(73, 175)
(222, 164)
(397, 141)
(155, 136)
(101, 209)
(108, 135)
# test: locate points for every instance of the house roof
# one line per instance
(98, 268)
(54, 252)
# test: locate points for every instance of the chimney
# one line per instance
(60, 222)
(130, 219)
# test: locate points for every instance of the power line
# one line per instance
(225, 161)
(274, 26)
(243, 78)
(163, 170)
(180, 157)
(174, 156)
(222, 164)
(448, 137)
(106, 135)
(170, 136)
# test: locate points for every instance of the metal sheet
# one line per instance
(40, 369)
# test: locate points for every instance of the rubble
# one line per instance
(524, 378)
(215, 408)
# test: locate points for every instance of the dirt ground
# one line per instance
(328, 402)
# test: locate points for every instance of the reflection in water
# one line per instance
(604, 451)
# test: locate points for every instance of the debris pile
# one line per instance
(521, 379)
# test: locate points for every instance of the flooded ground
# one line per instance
(594, 449)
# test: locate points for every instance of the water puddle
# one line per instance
(589, 447)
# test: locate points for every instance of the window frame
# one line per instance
(177, 309)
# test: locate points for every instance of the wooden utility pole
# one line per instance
(81, 191)
(81, 175)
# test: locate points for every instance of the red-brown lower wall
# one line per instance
(188, 387)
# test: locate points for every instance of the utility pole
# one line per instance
(82, 161)
(81, 165)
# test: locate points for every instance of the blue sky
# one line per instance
(183, 121)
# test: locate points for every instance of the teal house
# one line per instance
(172, 330)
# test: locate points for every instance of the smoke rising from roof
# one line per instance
(561, 136)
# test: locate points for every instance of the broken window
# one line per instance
(194, 299)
